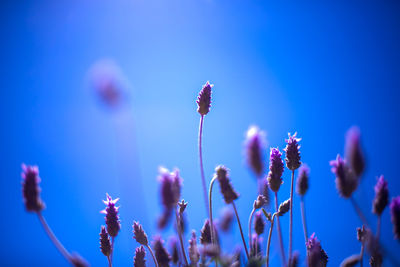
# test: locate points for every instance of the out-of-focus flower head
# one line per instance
(395, 215)
(140, 257)
(284, 207)
(354, 154)
(31, 189)
(229, 194)
(170, 187)
(316, 255)
(204, 99)
(294, 260)
(302, 180)
(255, 250)
(226, 220)
(346, 180)
(205, 236)
(292, 150)
(194, 254)
(139, 235)
(259, 223)
(259, 202)
(381, 199)
(105, 244)
(112, 217)
(265, 191)
(173, 245)
(255, 144)
(275, 170)
(162, 256)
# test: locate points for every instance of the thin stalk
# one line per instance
(359, 211)
(250, 222)
(178, 227)
(361, 254)
(152, 255)
(53, 238)
(210, 209)
(112, 248)
(203, 179)
(291, 217)
(378, 228)
(278, 226)
(109, 261)
(240, 228)
(269, 236)
(303, 218)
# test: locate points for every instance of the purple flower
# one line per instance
(284, 207)
(354, 153)
(265, 192)
(205, 237)
(351, 261)
(302, 180)
(226, 219)
(395, 212)
(139, 259)
(31, 189)
(194, 254)
(112, 217)
(139, 235)
(346, 181)
(316, 255)
(255, 144)
(173, 245)
(105, 244)
(170, 187)
(160, 252)
(259, 202)
(204, 99)
(294, 260)
(275, 170)
(381, 199)
(255, 250)
(227, 190)
(259, 223)
(292, 152)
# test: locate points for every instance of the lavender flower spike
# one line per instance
(171, 185)
(194, 254)
(255, 143)
(302, 180)
(162, 256)
(275, 170)
(354, 153)
(346, 181)
(316, 255)
(139, 235)
(292, 152)
(259, 223)
(227, 190)
(395, 214)
(139, 259)
(105, 244)
(31, 189)
(381, 199)
(284, 207)
(204, 99)
(112, 217)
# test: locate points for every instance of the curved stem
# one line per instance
(359, 211)
(250, 220)
(291, 217)
(210, 209)
(152, 255)
(278, 227)
(303, 218)
(378, 228)
(178, 228)
(269, 236)
(203, 179)
(240, 228)
(53, 238)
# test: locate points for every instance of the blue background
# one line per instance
(315, 68)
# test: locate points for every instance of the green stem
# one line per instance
(152, 255)
(179, 230)
(250, 222)
(241, 230)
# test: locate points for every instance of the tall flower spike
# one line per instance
(381, 199)
(205, 237)
(354, 152)
(112, 217)
(31, 189)
(226, 219)
(194, 254)
(255, 144)
(162, 256)
(105, 244)
(302, 180)
(139, 235)
(139, 259)
(275, 170)
(265, 192)
(170, 187)
(259, 223)
(346, 181)
(395, 214)
(204, 99)
(292, 152)
(316, 255)
(227, 190)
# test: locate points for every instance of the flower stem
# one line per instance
(178, 228)
(210, 209)
(250, 220)
(303, 218)
(112, 249)
(278, 227)
(203, 179)
(378, 228)
(359, 211)
(152, 255)
(109, 261)
(361, 254)
(269, 235)
(53, 238)
(240, 228)
(291, 217)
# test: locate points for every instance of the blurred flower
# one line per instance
(204, 99)
(259, 223)
(173, 244)
(316, 255)
(139, 259)
(265, 192)
(275, 170)
(255, 250)
(255, 144)
(112, 217)
(354, 154)
(227, 190)
(31, 189)
(194, 254)
(346, 181)
(78, 261)
(139, 235)
(381, 199)
(294, 260)
(105, 244)
(292, 152)
(302, 180)
(395, 214)
(259, 202)
(284, 207)
(226, 219)
(351, 261)
(205, 237)
(160, 252)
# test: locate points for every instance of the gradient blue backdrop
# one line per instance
(315, 68)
